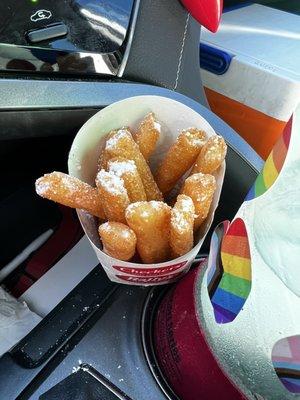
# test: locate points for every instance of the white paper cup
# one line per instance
(83, 160)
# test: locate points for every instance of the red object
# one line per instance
(181, 349)
(206, 12)
(150, 271)
(61, 241)
(21, 286)
(149, 279)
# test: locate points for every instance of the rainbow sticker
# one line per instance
(229, 270)
(286, 361)
(273, 165)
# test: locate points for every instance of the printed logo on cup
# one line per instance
(153, 272)
(148, 279)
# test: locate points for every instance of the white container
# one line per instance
(83, 160)
(256, 89)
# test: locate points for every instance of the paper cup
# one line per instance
(82, 163)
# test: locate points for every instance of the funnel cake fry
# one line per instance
(71, 192)
(151, 223)
(119, 241)
(113, 195)
(179, 158)
(122, 144)
(200, 188)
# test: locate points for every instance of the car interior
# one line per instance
(87, 338)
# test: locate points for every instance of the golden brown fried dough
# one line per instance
(122, 144)
(127, 170)
(179, 158)
(119, 241)
(71, 192)
(182, 226)
(211, 155)
(148, 135)
(113, 195)
(200, 188)
(150, 221)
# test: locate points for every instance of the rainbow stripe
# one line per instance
(273, 165)
(229, 271)
(286, 361)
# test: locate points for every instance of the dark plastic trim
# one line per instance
(51, 333)
(36, 95)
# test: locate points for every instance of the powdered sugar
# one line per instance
(56, 180)
(150, 120)
(179, 221)
(157, 126)
(42, 187)
(195, 177)
(117, 228)
(186, 203)
(196, 138)
(180, 218)
(133, 207)
(200, 198)
(107, 227)
(111, 183)
(158, 205)
(216, 139)
(69, 182)
(204, 179)
(119, 168)
(146, 207)
(197, 142)
(212, 152)
(137, 204)
(113, 141)
(215, 148)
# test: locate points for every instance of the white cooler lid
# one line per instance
(263, 33)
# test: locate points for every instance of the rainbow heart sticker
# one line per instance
(229, 270)
(286, 362)
(273, 165)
